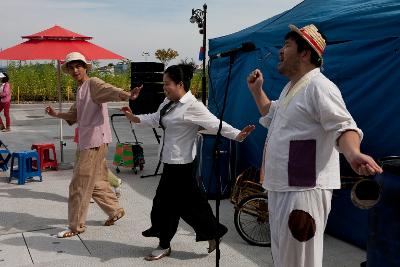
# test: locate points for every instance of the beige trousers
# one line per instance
(90, 180)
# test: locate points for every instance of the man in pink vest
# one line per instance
(90, 173)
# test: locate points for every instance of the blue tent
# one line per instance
(362, 58)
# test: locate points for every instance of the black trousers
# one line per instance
(179, 196)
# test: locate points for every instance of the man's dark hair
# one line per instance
(303, 45)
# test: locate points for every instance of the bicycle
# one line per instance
(251, 215)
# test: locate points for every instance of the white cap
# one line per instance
(74, 56)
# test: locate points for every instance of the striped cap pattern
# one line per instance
(312, 36)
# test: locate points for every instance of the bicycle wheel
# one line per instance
(252, 220)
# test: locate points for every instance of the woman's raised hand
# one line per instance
(128, 113)
(126, 110)
(245, 132)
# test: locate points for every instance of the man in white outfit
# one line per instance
(308, 126)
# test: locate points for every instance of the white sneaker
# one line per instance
(91, 200)
(66, 233)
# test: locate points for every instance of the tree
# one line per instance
(196, 82)
(166, 56)
(187, 62)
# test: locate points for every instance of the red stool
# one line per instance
(44, 155)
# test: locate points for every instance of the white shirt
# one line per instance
(181, 126)
(303, 128)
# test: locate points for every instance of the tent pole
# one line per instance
(60, 110)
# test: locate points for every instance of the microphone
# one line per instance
(245, 47)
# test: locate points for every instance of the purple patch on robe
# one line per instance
(302, 163)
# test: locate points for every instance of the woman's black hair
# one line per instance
(181, 73)
(5, 78)
(302, 45)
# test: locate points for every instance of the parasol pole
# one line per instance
(60, 110)
(62, 165)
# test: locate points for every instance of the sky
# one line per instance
(135, 29)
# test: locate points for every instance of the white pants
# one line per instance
(297, 220)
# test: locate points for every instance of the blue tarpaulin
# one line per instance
(362, 58)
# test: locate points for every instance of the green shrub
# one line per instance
(38, 82)
(196, 85)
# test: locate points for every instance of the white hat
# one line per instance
(2, 75)
(74, 56)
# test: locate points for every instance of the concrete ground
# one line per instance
(32, 213)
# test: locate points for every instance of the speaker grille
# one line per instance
(150, 74)
(145, 77)
(147, 67)
(150, 98)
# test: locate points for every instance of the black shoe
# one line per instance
(212, 243)
(222, 230)
(150, 233)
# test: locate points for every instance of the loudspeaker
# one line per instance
(150, 74)
(149, 99)
(145, 77)
(147, 67)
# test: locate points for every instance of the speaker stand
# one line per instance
(159, 162)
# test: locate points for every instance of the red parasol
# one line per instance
(54, 44)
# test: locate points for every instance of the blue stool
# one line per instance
(28, 166)
(5, 156)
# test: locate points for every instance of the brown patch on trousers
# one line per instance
(301, 225)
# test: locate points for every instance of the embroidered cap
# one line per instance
(75, 56)
(312, 36)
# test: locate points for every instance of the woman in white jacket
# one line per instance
(178, 195)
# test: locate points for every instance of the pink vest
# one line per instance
(94, 126)
(6, 93)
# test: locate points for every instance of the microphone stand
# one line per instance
(217, 158)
